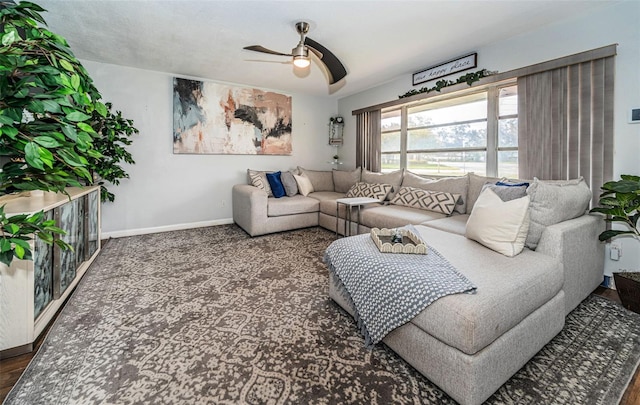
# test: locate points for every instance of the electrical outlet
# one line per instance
(615, 251)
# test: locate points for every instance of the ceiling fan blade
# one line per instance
(315, 52)
(258, 48)
(335, 68)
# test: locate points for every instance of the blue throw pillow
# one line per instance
(276, 184)
(510, 184)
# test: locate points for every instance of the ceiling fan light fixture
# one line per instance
(301, 61)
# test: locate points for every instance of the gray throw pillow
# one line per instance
(289, 183)
(553, 202)
(507, 193)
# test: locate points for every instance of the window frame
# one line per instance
(492, 148)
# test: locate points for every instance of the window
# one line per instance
(455, 135)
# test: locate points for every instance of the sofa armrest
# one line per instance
(575, 243)
(249, 208)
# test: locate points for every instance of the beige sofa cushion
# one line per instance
(298, 204)
(475, 187)
(411, 179)
(322, 180)
(344, 180)
(393, 178)
(509, 290)
(454, 224)
(553, 202)
(393, 216)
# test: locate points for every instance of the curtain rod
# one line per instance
(586, 56)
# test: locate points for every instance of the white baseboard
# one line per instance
(166, 228)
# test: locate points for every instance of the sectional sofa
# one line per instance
(467, 344)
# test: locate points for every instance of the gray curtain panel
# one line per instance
(565, 123)
(368, 140)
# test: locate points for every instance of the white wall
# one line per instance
(168, 191)
(613, 23)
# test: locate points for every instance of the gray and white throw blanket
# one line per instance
(387, 290)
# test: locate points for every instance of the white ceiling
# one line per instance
(377, 41)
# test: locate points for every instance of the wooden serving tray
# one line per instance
(411, 243)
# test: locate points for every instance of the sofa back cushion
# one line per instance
(344, 180)
(475, 188)
(553, 202)
(392, 178)
(321, 180)
(414, 180)
(499, 225)
(437, 201)
(453, 185)
(376, 190)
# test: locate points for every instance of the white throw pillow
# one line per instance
(499, 225)
(304, 184)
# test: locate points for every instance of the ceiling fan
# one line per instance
(300, 54)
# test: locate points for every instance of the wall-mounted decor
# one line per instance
(214, 118)
(446, 68)
(336, 129)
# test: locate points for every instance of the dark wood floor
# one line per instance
(12, 368)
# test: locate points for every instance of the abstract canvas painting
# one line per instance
(214, 118)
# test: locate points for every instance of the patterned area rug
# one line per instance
(212, 316)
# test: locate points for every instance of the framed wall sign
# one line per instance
(445, 69)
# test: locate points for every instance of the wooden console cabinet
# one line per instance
(31, 292)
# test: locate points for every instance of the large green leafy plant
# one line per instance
(115, 132)
(54, 130)
(620, 202)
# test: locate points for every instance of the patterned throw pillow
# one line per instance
(362, 189)
(259, 180)
(437, 201)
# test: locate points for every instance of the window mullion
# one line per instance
(404, 122)
(492, 131)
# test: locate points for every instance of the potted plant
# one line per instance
(55, 131)
(620, 202)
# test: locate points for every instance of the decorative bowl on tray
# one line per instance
(387, 241)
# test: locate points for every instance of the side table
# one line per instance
(349, 203)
